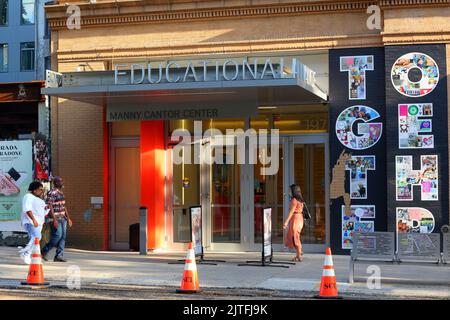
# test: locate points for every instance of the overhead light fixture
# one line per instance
(267, 108)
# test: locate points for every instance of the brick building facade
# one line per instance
(318, 32)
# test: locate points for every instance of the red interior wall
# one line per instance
(153, 179)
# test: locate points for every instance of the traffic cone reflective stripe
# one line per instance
(189, 282)
(328, 261)
(190, 266)
(328, 273)
(36, 271)
(328, 287)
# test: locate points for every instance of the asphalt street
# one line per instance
(119, 292)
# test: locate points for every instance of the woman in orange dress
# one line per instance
(295, 218)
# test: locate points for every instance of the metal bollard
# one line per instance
(143, 230)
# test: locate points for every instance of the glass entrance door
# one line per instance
(306, 164)
(302, 160)
(221, 184)
(233, 195)
(268, 192)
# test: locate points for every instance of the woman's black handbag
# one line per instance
(306, 213)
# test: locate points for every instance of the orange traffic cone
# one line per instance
(189, 283)
(328, 287)
(36, 272)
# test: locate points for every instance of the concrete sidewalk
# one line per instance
(129, 268)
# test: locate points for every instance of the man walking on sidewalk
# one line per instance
(60, 219)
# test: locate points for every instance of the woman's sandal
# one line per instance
(297, 259)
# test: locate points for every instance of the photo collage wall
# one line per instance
(358, 167)
(356, 66)
(357, 110)
(415, 126)
(426, 178)
(417, 137)
(389, 110)
(367, 133)
(361, 220)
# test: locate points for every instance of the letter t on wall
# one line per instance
(358, 167)
(356, 67)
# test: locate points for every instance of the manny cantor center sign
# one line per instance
(172, 112)
(210, 83)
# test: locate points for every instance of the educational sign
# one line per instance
(354, 223)
(196, 227)
(426, 178)
(267, 228)
(415, 74)
(359, 166)
(356, 67)
(418, 220)
(414, 126)
(367, 133)
(15, 176)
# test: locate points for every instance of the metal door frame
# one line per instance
(288, 142)
(205, 199)
(288, 180)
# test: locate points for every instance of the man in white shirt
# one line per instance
(34, 211)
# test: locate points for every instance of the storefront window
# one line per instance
(267, 189)
(3, 12)
(268, 192)
(27, 56)
(225, 186)
(27, 12)
(225, 199)
(3, 57)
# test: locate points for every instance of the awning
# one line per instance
(267, 92)
(228, 98)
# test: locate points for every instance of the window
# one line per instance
(27, 56)
(3, 57)
(27, 10)
(3, 12)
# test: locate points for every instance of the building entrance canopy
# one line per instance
(184, 91)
